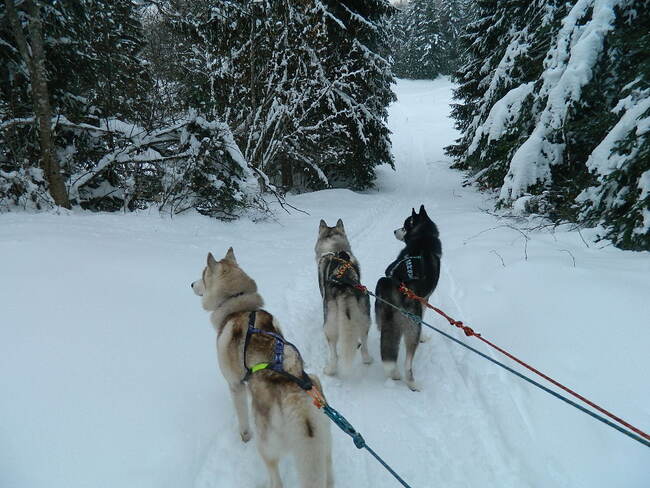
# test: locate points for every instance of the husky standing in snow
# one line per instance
(346, 310)
(248, 337)
(418, 267)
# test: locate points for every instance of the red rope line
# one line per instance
(470, 333)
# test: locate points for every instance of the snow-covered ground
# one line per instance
(108, 374)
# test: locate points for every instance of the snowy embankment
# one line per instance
(107, 362)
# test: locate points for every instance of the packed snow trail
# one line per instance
(108, 366)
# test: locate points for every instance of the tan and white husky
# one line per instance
(286, 421)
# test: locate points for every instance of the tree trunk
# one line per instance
(34, 57)
(287, 174)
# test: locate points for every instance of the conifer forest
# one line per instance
(221, 106)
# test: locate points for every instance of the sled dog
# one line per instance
(418, 267)
(286, 422)
(346, 310)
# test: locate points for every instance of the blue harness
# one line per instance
(278, 356)
(408, 265)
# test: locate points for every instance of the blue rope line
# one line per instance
(416, 318)
(358, 439)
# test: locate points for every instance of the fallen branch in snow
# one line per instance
(581, 237)
(572, 256)
(494, 252)
(526, 239)
(508, 226)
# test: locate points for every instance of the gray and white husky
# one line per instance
(346, 310)
(286, 422)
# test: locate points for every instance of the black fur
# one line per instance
(422, 242)
(423, 249)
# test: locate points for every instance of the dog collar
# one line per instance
(230, 298)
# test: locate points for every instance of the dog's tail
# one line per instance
(348, 331)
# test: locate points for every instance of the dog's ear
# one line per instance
(423, 213)
(230, 256)
(413, 214)
(322, 226)
(339, 224)
(212, 263)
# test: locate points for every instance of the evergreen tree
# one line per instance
(454, 15)
(304, 85)
(504, 45)
(114, 150)
(426, 34)
(359, 56)
(619, 199)
(27, 59)
(92, 72)
(559, 108)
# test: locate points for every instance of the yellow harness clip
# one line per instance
(259, 367)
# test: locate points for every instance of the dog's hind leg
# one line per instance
(331, 330)
(350, 324)
(312, 456)
(411, 341)
(271, 463)
(364, 320)
(330, 471)
(239, 398)
(391, 336)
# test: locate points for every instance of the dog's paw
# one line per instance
(367, 359)
(424, 338)
(413, 386)
(330, 370)
(246, 436)
(391, 370)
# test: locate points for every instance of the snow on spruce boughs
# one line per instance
(304, 85)
(568, 67)
(547, 110)
(426, 37)
(299, 89)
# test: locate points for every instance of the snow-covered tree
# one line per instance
(426, 37)
(305, 85)
(504, 47)
(90, 71)
(422, 49)
(360, 69)
(619, 197)
(115, 149)
(548, 100)
(454, 16)
(26, 61)
(298, 90)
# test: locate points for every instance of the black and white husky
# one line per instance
(346, 310)
(418, 267)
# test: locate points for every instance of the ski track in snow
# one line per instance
(109, 363)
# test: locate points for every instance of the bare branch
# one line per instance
(493, 251)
